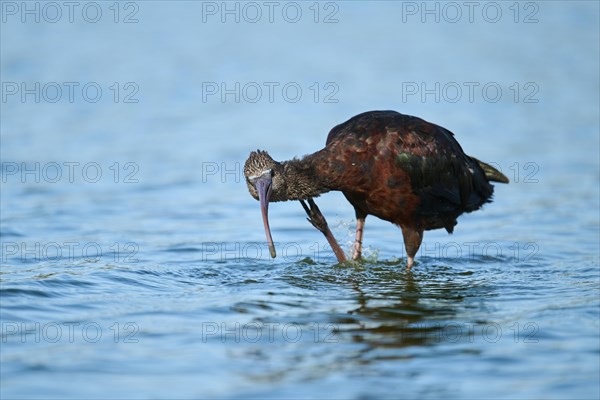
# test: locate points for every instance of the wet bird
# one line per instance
(397, 167)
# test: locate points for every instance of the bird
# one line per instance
(397, 167)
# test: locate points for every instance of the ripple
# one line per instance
(14, 292)
(182, 250)
(9, 233)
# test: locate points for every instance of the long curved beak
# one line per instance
(263, 187)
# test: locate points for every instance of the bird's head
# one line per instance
(264, 177)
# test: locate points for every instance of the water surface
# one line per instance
(134, 263)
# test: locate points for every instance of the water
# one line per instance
(134, 263)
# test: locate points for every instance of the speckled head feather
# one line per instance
(291, 180)
(260, 163)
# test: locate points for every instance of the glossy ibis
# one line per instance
(396, 167)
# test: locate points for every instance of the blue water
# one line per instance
(134, 262)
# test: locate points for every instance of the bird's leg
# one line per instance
(360, 227)
(314, 216)
(318, 221)
(412, 242)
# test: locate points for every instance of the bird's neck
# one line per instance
(302, 179)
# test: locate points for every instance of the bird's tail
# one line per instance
(491, 173)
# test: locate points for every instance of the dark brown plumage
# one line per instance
(397, 167)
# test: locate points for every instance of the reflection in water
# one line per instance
(400, 308)
(386, 313)
(391, 323)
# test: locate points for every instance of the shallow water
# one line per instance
(134, 263)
